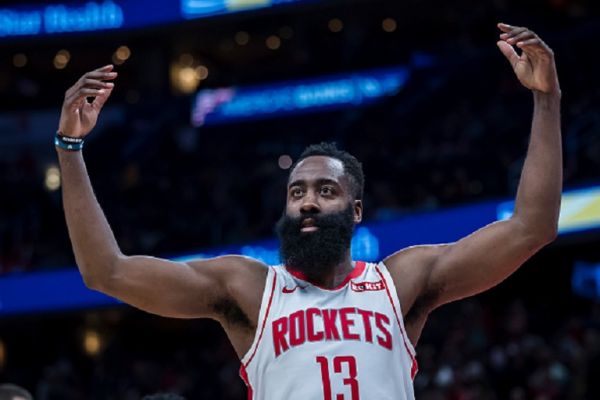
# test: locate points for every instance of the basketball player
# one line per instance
(323, 326)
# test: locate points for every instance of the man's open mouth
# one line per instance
(308, 225)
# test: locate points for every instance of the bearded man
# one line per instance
(321, 325)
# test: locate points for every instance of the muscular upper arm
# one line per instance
(411, 270)
(483, 259)
(192, 289)
(429, 276)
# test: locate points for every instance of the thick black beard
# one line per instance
(315, 253)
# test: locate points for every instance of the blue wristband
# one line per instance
(68, 143)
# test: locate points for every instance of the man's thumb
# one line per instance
(101, 99)
(508, 51)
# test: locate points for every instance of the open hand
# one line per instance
(535, 67)
(78, 116)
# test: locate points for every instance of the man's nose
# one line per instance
(310, 203)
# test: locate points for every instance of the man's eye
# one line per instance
(296, 192)
(326, 190)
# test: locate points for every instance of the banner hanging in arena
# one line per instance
(226, 105)
(579, 210)
(90, 16)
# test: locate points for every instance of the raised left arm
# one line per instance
(428, 276)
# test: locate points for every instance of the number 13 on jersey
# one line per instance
(341, 364)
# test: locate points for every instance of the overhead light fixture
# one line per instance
(242, 38)
(273, 42)
(121, 55)
(61, 59)
(19, 60)
(335, 25)
(389, 25)
(52, 178)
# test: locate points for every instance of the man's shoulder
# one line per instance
(410, 269)
(413, 257)
(232, 266)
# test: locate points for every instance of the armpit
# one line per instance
(232, 314)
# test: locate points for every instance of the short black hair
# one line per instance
(9, 391)
(352, 167)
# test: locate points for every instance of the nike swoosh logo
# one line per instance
(292, 290)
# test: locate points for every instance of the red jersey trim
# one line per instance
(264, 322)
(244, 375)
(414, 367)
(359, 268)
(243, 372)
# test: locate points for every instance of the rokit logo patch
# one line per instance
(367, 286)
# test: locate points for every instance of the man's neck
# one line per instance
(332, 277)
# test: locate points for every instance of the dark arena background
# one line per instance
(215, 100)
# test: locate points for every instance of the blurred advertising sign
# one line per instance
(203, 8)
(60, 18)
(89, 16)
(579, 210)
(216, 106)
(63, 289)
(585, 280)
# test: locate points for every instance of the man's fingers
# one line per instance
(509, 30)
(534, 43)
(526, 35)
(94, 84)
(101, 99)
(518, 36)
(107, 67)
(529, 43)
(505, 27)
(91, 84)
(522, 38)
(100, 75)
(536, 48)
(509, 52)
(90, 92)
(86, 91)
(514, 32)
(73, 103)
(93, 79)
(77, 98)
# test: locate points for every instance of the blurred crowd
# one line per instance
(474, 354)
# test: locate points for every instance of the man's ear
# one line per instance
(358, 211)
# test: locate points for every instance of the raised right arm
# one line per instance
(163, 287)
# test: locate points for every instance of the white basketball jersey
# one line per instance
(346, 343)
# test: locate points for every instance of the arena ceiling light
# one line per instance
(19, 60)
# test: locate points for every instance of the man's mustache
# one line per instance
(316, 219)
